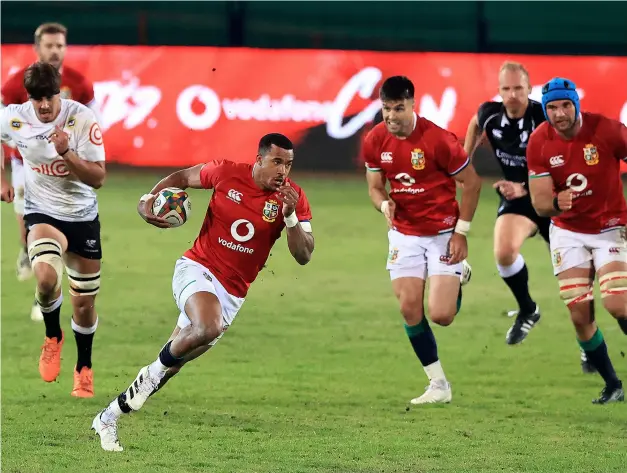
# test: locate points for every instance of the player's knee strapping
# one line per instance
(49, 251)
(575, 290)
(614, 283)
(83, 284)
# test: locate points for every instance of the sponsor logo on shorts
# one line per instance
(393, 255)
(557, 258)
(614, 250)
(444, 258)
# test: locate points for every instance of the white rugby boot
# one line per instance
(438, 391)
(141, 389)
(466, 273)
(108, 432)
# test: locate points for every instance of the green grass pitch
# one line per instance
(316, 373)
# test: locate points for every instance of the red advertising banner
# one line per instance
(179, 106)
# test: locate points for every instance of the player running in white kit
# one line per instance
(62, 148)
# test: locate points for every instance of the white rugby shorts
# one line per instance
(191, 277)
(421, 257)
(571, 249)
(17, 181)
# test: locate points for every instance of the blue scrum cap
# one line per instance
(560, 88)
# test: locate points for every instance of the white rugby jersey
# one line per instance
(49, 187)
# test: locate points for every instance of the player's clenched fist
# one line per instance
(510, 190)
(288, 195)
(60, 140)
(565, 200)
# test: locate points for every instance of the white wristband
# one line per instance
(462, 227)
(145, 197)
(291, 220)
(384, 206)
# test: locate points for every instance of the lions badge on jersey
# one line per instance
(591, 155)
(418, 159)
(270, 210)
(66, 93)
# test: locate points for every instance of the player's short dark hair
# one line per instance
(277, 139)
(397, 88)
(49, 28)
(42, 80)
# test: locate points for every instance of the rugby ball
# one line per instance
(173, 205)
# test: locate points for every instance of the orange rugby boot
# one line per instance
(83, 383)
(50, 359)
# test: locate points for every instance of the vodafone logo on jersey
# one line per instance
(242, 231)
(578, 183)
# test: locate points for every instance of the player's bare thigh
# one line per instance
(612, 277)
(510, 232)
(84, 306)
(443, 292)
(45, 274)
(410, 294)
(581, 314)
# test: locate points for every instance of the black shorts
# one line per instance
(523, 207)
(83, 238)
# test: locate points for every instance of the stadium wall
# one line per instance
(549, 27)
(179, 106)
